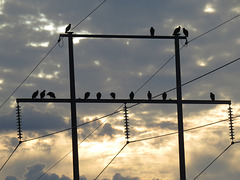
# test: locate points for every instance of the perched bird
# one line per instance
(86, 95)
(113, 95)
(149, 95)
(164, 96)
(42, 94)
(52, 95)
(176, 31)
(35, 94)
(131, 95)
(152, 31)
(212, 96)
(68, 28)
(99, 95)
(185, 32)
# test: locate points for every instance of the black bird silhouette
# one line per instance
(149, 95)
(42, 94)
(113, 95)
(35, 94)
(52, 95)
(131, 95)
(68, 28)
(176, 31)
(152, 31)
(99, 95)
(185, 32)
(212, 96)
(86, 95)
(164, 96)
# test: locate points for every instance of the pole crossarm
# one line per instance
(121, 36)
(140, 101)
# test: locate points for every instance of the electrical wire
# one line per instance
(214, 160)
(225, 22)
(172, 133)
(47, 55)
(10, 156)
(28, 75)
(89, 14)
(78, 144)
(111, 160)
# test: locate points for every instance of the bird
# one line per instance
(113, 95)
(52, 95)
(185, 32)
(212, 96)
(42, 94)
(35, 94)
(152, 31)
(99, 95)
(86, 95)
(176, 31)
(164, 96)
(131, 95)
(149, 95)
(68, 28)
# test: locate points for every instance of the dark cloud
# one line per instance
(118, 176)
(36, 171)
(11, 178)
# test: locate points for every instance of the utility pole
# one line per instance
(179, 111)
(73, 99)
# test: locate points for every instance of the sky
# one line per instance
(30, 29)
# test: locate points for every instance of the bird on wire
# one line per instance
(52, 95)
(131, 95)
(113, 95)
(68, 28)
(98, 95)
(149, 95)
(152, 31)
(42, 94)
(35, 94)
(186, 33)
(86, 95)
(164, 96)
(176, 31)
(212, 96)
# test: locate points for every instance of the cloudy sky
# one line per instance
(29, 29)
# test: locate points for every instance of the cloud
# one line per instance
(36, 170)
(118, 176)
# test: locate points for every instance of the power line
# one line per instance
(78, 144)
(172, 133)
(111, 160)
(214, 160)
(89, 14)
(46, 56)
(28, 75)
(10, 156)
(225, 22)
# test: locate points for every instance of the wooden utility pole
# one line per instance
(73, 99)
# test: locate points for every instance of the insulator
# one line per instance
(231, 127)
(19, 127)
(126, 123)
